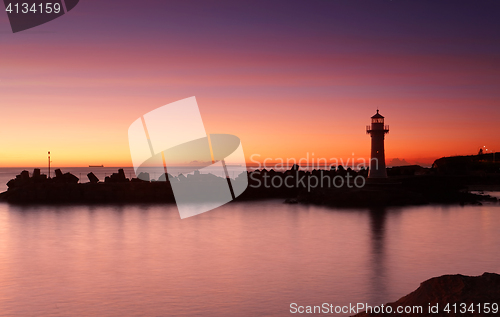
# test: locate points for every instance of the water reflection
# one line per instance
(243, 259)
(378, 219)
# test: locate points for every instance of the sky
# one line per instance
(289, 78)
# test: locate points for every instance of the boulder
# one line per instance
(92, 178)
(451, 289)
(58, 173)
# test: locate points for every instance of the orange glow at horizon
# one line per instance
(95, 135)
(101, 137)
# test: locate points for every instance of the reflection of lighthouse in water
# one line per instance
(377, 130)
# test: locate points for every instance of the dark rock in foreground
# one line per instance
(451, 289)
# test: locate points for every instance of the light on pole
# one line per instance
(49, 164)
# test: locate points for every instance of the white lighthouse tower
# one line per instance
(377, 131)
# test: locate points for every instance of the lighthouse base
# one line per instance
(377, 174)
(381, 181)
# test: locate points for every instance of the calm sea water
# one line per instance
(242, 259)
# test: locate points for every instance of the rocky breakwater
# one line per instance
(336, 187)
(340, 187)
(65, 188)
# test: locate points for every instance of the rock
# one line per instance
(144, 176)
(116, 177)
(58, 173)
(92, 178)
(66, 178)
(450, 289)
(121, 174)
(36, 173)
(25, 175)
(70, 178)
(11, 183)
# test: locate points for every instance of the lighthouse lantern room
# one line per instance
(377, 130)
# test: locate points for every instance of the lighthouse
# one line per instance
(377, 131)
